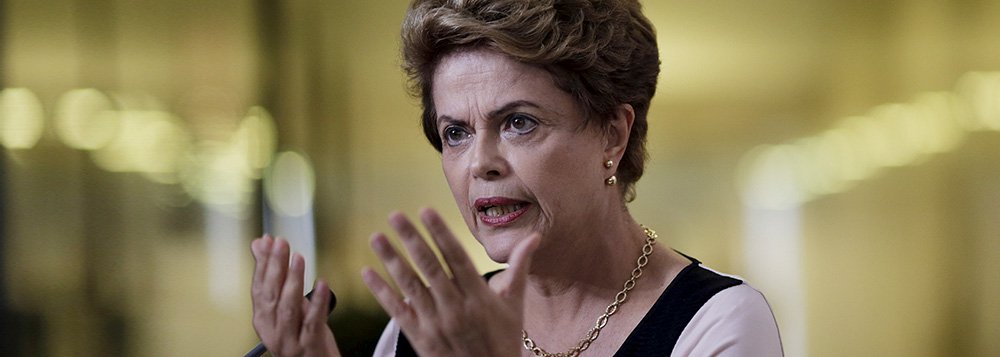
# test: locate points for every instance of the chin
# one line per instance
(498, 247)
(499, 255)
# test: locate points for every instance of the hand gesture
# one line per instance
(456, 315)
(287, 323)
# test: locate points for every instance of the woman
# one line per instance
(539, 111)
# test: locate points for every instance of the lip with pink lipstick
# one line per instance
(499, 211)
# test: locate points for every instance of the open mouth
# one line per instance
(498, 211)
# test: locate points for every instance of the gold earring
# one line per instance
(611, 181)
(608, 164)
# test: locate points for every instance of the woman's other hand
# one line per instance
(287, 323)
(456, 315)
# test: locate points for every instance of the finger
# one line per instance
(316, 334)
(391, 302)
(269, 280)
(315, 315)
(263, 313)
(290, 305)
(423, 256)
(260, 248)
(454, 255)
(274, 273)
(406, 279)
(512, 286)
(261, 244)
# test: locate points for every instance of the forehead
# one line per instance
(475, 63)
(489, 78)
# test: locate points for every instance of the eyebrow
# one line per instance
(511, 106)
(495, 113)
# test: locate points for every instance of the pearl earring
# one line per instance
(611, 181)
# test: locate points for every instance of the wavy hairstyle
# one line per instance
(602, 52)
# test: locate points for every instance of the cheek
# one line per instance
(561, 174)
(456, 175)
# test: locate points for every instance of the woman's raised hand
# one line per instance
(456, 315)
(287, 323)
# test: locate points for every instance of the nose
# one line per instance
(488, 161)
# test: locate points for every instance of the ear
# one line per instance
(617, 132)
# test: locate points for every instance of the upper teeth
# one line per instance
(496, 211)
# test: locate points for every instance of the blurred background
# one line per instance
(843, 156)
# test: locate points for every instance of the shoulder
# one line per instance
(736, 321)
(705, 313)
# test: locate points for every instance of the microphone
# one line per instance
(259, 350)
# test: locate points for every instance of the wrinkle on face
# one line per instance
(556, 167)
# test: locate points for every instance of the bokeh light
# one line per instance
(859, 147)
(982, 91)
(140, 129)
(290, 184)
(21, 118)
(86, 119)
(768, 179)
(257, 135)
(213, 173)
(149, 142)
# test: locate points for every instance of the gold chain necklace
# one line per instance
(602, 321)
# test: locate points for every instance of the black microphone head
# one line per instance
(333, 300)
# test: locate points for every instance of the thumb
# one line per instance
(512, 286)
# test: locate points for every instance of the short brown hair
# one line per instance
(602, 52)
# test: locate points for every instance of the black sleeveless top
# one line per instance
(658, 331)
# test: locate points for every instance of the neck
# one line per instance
(583, 268)
(576, 274)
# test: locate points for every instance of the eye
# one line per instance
(520, 124)
(454, 135)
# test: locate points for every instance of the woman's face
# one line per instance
(516, 152)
